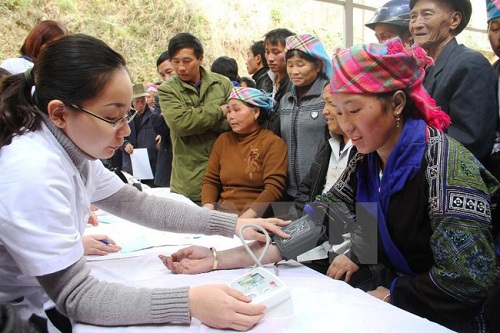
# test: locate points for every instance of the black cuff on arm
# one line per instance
(304, 234)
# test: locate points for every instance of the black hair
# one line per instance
(72, 69)
(249, 82)
(307, 57)
(163, 57)
(258, 48)
(226, 66)
(4, 73)
(263, 116)
(277, 36)
(185, 40)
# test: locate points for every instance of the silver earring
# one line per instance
(398, 119)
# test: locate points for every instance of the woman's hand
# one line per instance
(222, 307)
(190, 260)
(93, 220)
(129, 148)
(381, 293)
(272, 225)
(342, 265)
(96, 245)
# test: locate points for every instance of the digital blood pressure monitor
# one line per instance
(265, 288)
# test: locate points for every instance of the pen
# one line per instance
(105, 241)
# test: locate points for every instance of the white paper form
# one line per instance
(140, 164)
(133, 237)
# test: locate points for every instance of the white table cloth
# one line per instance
(320, 303)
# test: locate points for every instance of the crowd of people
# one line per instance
(392, 147)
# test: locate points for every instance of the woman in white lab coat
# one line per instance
(51, 144)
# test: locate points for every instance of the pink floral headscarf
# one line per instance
(388, 67)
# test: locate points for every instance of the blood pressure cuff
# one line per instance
(304, 234)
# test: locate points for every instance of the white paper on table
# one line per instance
(140, 164)
(134, 238)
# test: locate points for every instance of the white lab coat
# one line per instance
(44, 208)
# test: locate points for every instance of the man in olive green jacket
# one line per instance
(194, 106)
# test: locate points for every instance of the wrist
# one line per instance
(387, 298)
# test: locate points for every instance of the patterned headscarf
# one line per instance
(253, 96)
(388, 67)
(311, 46)
(492, 9)
(152, 87)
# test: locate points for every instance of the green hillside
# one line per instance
(140, 30)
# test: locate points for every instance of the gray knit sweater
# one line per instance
(85, 299)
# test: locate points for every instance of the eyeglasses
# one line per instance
(117, 124)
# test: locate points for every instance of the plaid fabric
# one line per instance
(313, 47)
(388, 67)
(152, 87)
(492, 9)
(252, 96)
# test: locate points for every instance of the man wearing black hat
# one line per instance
(461, 80)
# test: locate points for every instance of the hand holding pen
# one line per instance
(99, 245)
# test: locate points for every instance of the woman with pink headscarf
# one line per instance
(426, 195)
(416, 202)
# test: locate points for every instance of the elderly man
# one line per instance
(142, 134)
(461, 80)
